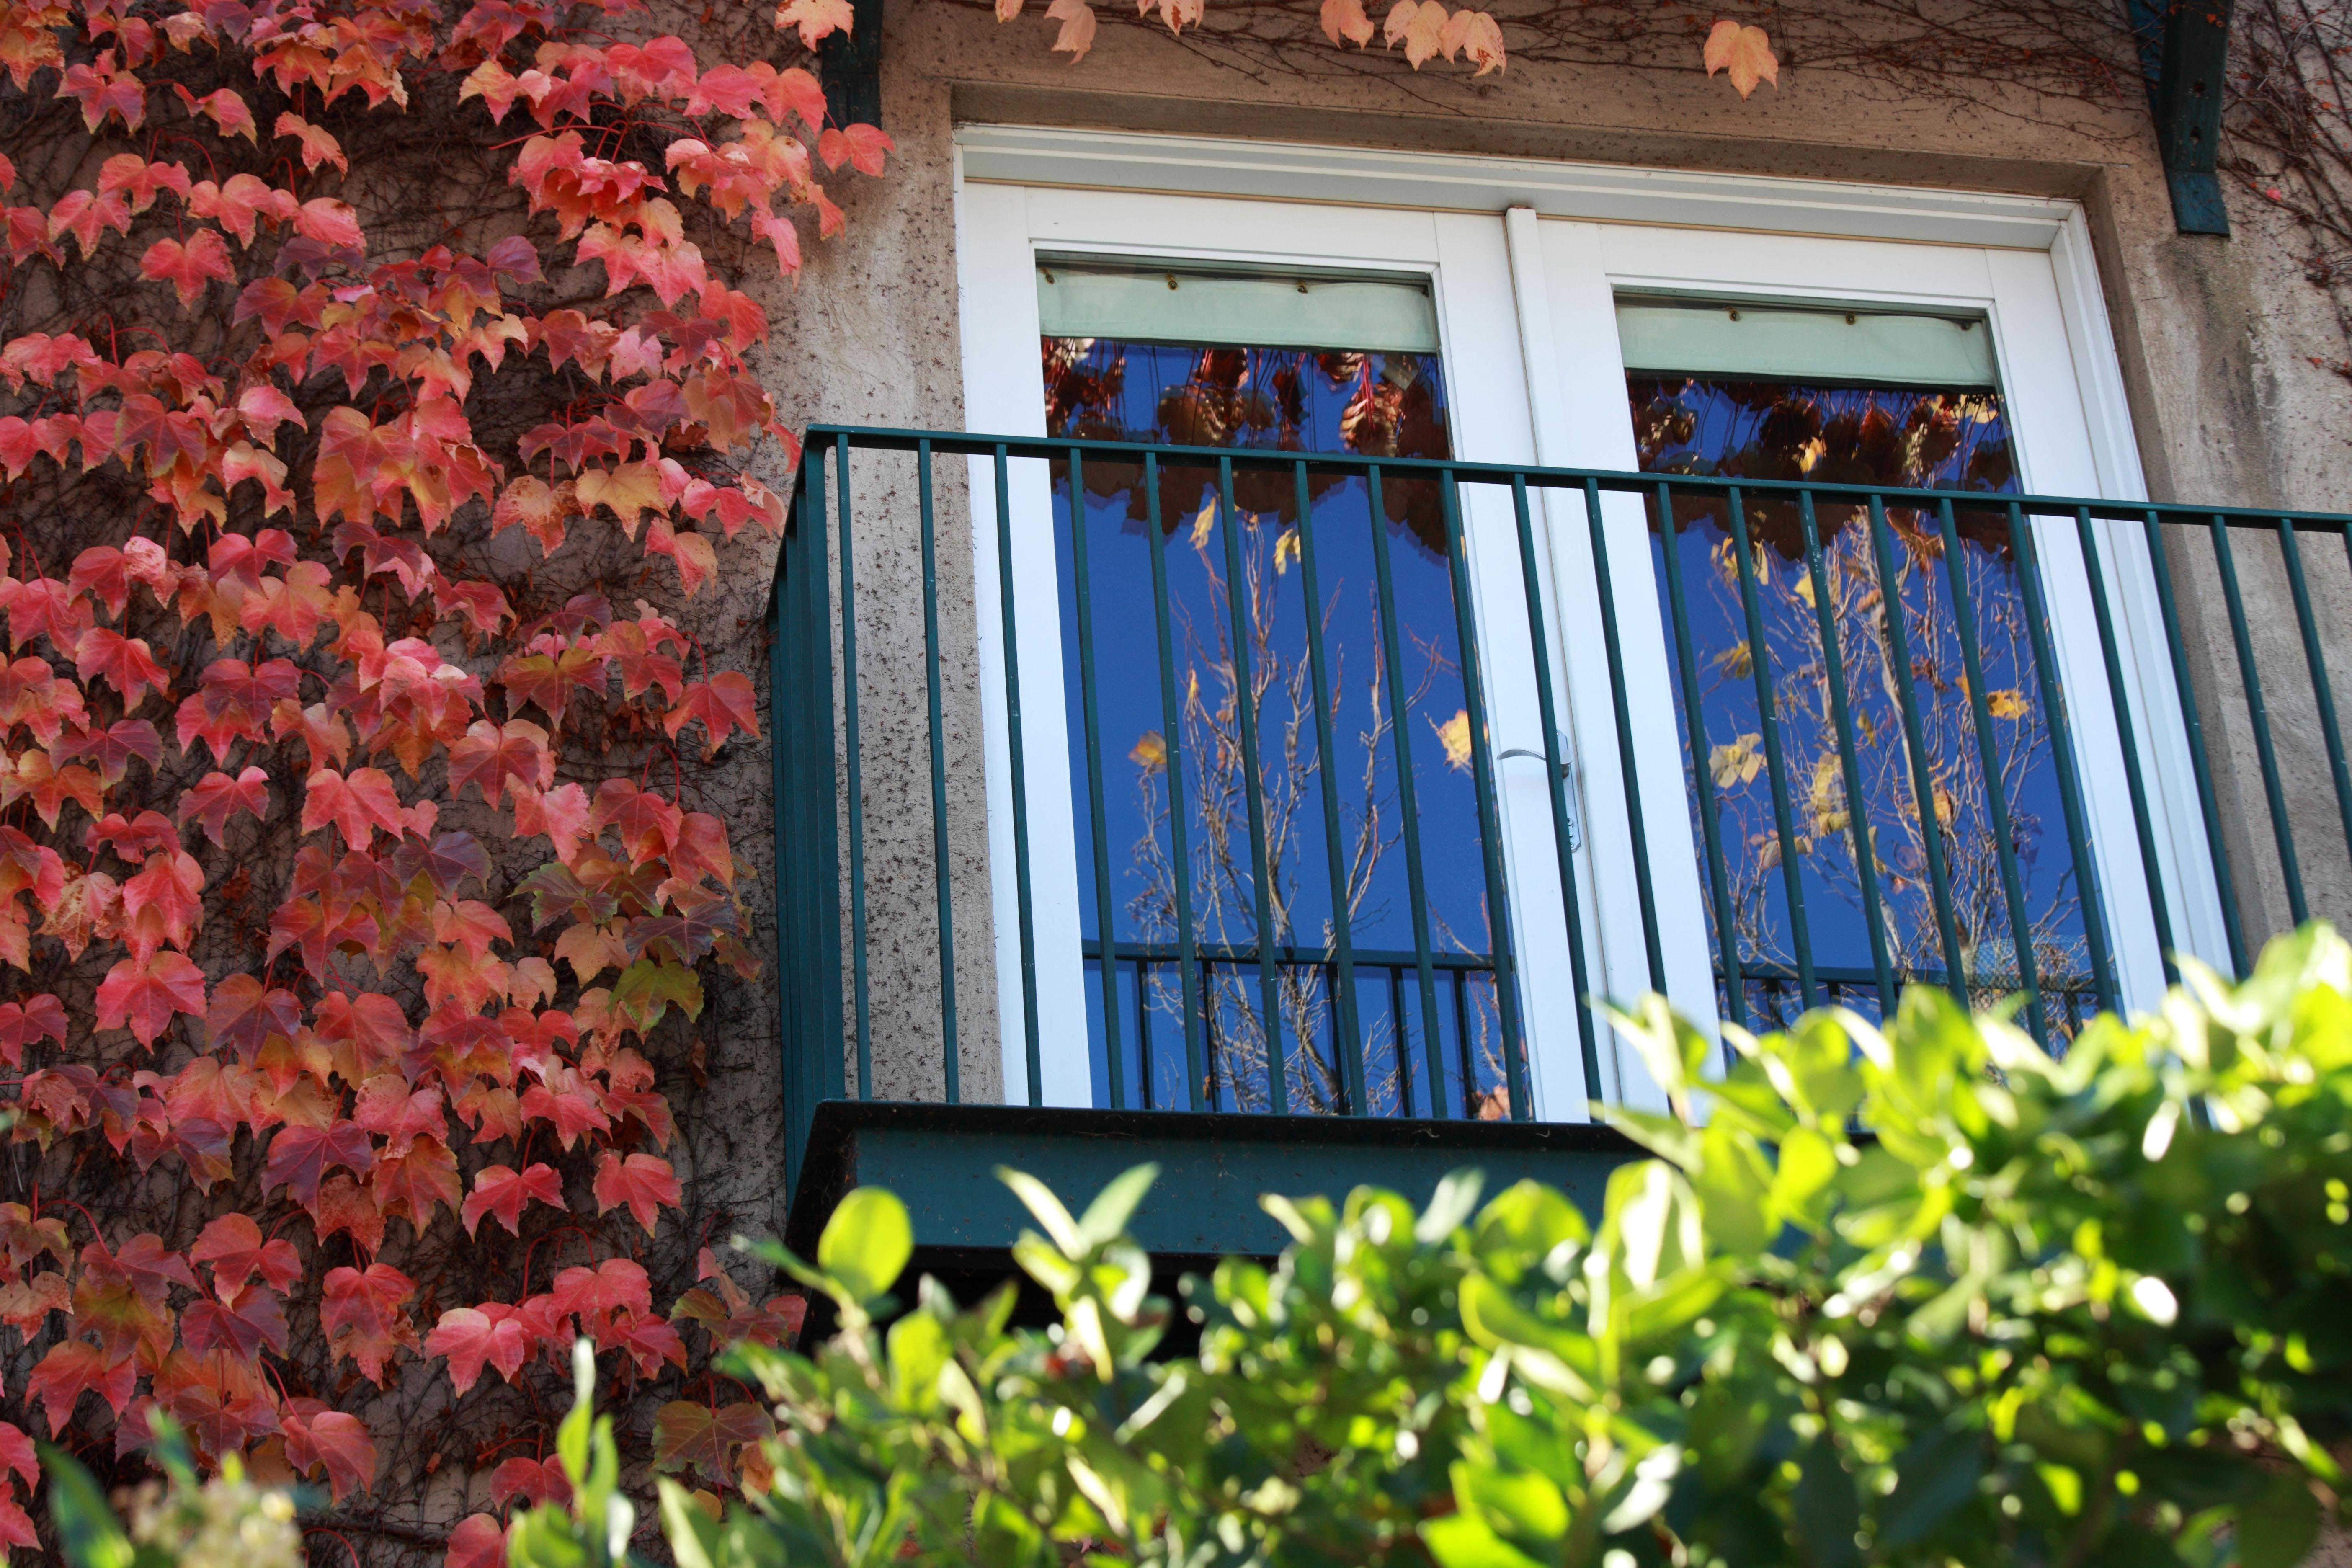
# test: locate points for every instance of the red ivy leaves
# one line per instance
(397, 1051)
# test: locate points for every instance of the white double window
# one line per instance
(1296, 642)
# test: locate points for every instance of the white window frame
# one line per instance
(1573, 233)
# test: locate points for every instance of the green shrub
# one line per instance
(2088, 1312)
(2084, 1311)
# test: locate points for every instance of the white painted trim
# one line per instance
(1355, 176)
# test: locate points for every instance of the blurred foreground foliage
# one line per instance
(2083, 1312)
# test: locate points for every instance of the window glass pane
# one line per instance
(1420, 1055)
(1923, 436)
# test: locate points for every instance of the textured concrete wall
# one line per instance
(2214, 337)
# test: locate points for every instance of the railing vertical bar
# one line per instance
(1171, 715)
(819, 949)
(784, 737)
(2273, 787)
(1238, 605)
(1397, 1043)
(857, 787)
(1776, 770)
(1630, 774)
(2013, 883)
(1401, 738)
(1922, 780)
(1105, 918)
(2322, 690)
(2119, 693)
(2208, 804)
(950, 1059)
(1021, 891)
(2061, 756)
(1216, 1050)
(1718, 881)
(1490, 818)
(1349, 1043)
(1866, 848)
(1143, 1032)
(1463, 1062)
(1556, 777)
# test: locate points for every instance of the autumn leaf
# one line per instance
(1346, 19)
(1077, 34)
(1477, 34)
(22, 1022)
(354, 806)
(244, 1326)
(1285, 550)
(642, 1183)
(232, 1246)
(477, 1541)
(318, 145)
(188, 266)
(2008, 703)
(1454, 736)
(75, 1368)
(1420, 25)
(299, 1157)
(722, 704)
(1737, 762)
(862, 147)
(333, 1441)
(534, 1480)
(491, 755)
(145, 995)
(501, 1192)
(816, 19)
(361, 1313)
(1745, 52)
(691, 1435)
(1150, 752)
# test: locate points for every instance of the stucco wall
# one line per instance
(2213, 336)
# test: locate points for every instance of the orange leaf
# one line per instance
(1479, 34)
(816, 19)
(1419, 26)
(1346, 19)
(1743, 51)
(1077, 34)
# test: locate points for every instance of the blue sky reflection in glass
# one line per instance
(1285, 399)
(1906, 437)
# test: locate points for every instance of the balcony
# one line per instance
(1284, 818)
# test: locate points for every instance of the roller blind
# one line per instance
(1769, 342)
(1141, 303)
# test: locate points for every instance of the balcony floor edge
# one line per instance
(942, 1161)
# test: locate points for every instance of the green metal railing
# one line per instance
(1767, 540)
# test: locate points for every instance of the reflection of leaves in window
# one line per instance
(1737, 762)
(1881, 438)
(1454, 736)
